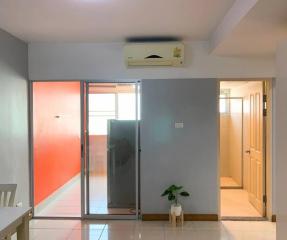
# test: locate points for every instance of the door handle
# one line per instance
(82, 150)
(247, 151)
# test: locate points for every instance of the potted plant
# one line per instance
(173, 192)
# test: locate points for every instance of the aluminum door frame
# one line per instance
(85, 206)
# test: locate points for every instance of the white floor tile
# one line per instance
(117, 235)
(48, 234)
(83, 234)
(55, 224)
(235, 203)
(138, 230)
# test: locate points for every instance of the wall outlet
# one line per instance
(19, 204)
(178, 125)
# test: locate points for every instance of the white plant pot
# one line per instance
(176, 209)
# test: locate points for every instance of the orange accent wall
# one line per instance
(57, 135)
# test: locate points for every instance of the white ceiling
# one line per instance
(232, 84)
(259, 32)
(110, 20)
(239, 85)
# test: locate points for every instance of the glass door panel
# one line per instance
(56, 148)
(112, 148)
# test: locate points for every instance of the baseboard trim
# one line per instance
(187, 217)
(273, 218)
(233, 187)
(257, 219)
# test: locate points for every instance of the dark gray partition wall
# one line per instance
(186, 156)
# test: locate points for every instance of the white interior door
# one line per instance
(246, 143)
(256, 167)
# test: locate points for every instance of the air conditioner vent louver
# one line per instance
(154, 54)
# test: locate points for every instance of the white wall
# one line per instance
(281, 141)
(105, 61)
(14, 155)
(224, 145)
(231, 145)
(235, 144)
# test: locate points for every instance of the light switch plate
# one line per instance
(178, 125)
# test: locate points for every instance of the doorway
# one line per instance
(242, 107)
(111, 163)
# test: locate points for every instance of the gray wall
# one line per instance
(185, 156)
(13, 115)
(280, 141)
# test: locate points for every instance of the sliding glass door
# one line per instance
(85, 149)
(111, 167)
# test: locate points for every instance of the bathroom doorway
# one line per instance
(242, 114)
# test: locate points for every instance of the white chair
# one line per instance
(7, 194)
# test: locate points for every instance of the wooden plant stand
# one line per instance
(176, 220)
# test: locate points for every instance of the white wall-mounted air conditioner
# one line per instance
(154, 54)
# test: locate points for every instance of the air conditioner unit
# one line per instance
(154, 54)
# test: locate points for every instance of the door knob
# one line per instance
(247, 151)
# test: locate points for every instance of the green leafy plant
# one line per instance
(173, 192)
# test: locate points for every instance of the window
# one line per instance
(126, 106)
(101, 108)
(224, 103)
(105, 106)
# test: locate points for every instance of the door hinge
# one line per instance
(264, 199)
(264, 105)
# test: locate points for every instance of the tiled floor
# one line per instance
(228, 182)
(99, 198)
(67, 202)
(126, 230)
(234, 203)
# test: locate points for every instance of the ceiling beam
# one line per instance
(236, 13)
